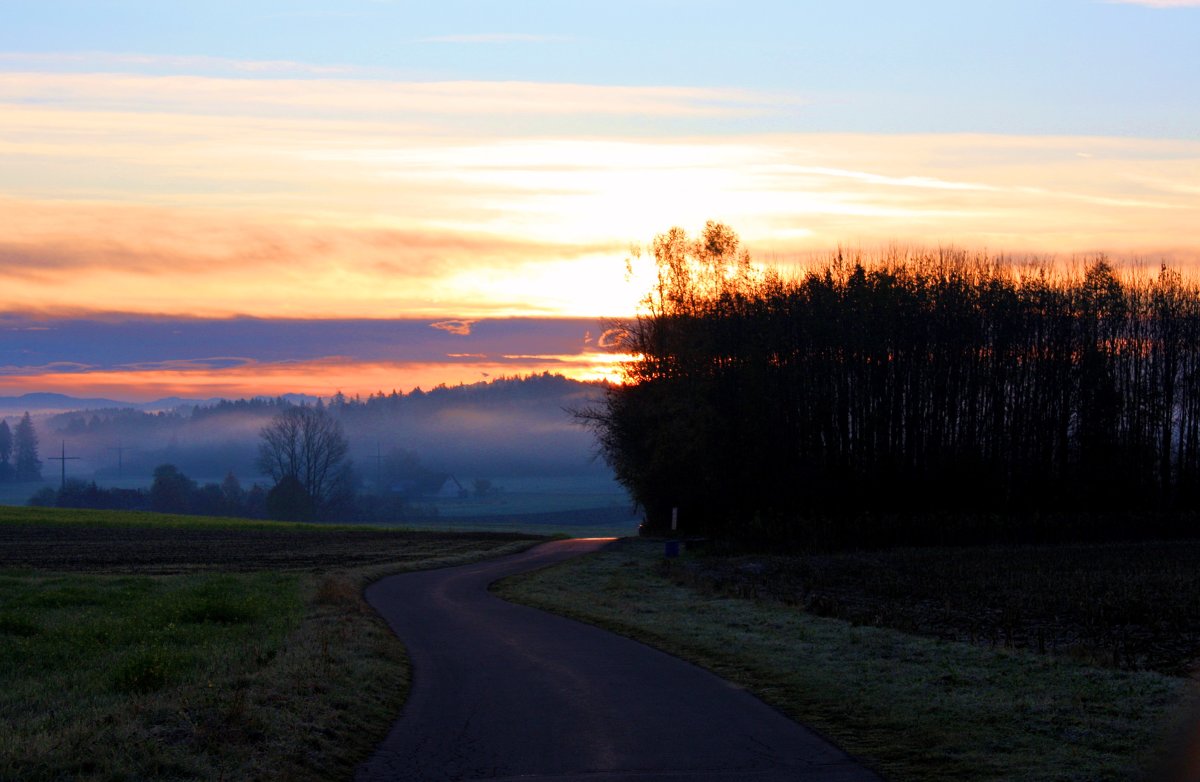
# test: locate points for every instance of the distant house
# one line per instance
(451, 489)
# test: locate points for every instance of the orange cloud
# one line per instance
(612, 338)
(140, 259)
(460, 327)
(333, 197)
(319, 377)
(376, 97)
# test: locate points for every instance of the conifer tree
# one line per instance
(6, 447)
(28, 466)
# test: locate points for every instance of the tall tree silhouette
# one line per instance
(6, 450)
(27, 466)
(304, 449)
(906, 383)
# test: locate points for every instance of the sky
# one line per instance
(272, 196)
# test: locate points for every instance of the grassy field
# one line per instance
(912, 707)
(141, 647)
(509, 503)
(579, 507)
(79, 517)
(584, 523)
(571, 511)
(19, 493)
(1123, 605)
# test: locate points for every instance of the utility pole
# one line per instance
(378, 461)
(63, 459)
(378, 458)
(120, 449)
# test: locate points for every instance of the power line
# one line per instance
(120, 449)
(378, 457)
(63, 459)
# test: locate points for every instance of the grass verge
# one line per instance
(275, 673)
(912, 708)
(1129, 605)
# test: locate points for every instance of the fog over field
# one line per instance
(514, 438)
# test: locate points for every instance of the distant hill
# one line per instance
(176, 402)
(44, 402)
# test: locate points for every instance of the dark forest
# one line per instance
(911, 397)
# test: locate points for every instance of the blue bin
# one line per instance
(672, 549)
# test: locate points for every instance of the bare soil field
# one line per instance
(154, 551)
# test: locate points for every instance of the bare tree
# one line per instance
(305, 445)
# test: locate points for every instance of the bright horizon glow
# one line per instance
(278, 162)
(318, 378)
(145, 358)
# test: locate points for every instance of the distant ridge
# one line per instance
(47, 402)
(60, 403)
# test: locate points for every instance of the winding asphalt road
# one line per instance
(506, 692)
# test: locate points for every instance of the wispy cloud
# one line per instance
(51, 368)
(73, 254)
(612, 338)
(495, 38)
(133, 357)
(485, 226)
(460, 327)
(371, 98)
(326, 197)
(213, 364)
(117, 340)
(137, 62)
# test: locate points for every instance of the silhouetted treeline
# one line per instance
(171, 492)
(908, 384)
(537, 392)
(174, 492)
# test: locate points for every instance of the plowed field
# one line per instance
(151, 550)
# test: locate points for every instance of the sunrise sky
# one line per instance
(235, 198)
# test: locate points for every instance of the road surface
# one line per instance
(506, 692)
